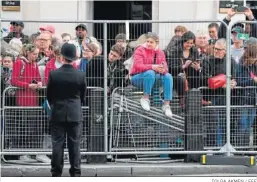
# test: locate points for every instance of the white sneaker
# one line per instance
(167, 111)
(26, 158)
(43, 158)
(145, 103)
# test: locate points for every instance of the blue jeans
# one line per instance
(246, 120)
(147, 79)
(218, 125)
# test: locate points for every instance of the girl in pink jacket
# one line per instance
(149, 66)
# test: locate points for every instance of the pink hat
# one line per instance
(49, 28)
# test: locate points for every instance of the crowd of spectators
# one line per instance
(188, 61)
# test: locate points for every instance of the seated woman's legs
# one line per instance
(167, 83)
(146, 81)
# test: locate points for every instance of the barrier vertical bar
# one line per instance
(127, 30)
(105, 91)
(1, 106)
(228, 89)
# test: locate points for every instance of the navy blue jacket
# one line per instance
(247, 96)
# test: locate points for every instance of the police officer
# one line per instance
(66, 90)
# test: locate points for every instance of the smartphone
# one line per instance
(212, 41)
(241, 9)
(5, 69)
(34, 81)
(197, 60)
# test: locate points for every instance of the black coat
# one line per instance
(116, 73)
(128, 53)
(11, 35)
(212, 67)
(66, 91)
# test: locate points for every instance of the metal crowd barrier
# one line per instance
(251, 30)
(26, 129)
(210, 121)
(131, 130)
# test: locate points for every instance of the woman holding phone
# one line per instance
(149, 66)
(26, 76)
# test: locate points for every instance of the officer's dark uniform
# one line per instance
(66, 90)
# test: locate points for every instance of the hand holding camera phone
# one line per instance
(211, 41)
(34, 81)
(196, 64)
(239, 9)
(197, 60)
(35, 84)
(5, 69)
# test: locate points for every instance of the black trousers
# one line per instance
(58, 134)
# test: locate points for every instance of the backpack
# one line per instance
(129, 63)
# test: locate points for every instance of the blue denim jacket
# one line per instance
(83, 65)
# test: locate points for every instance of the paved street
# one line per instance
(131, 169)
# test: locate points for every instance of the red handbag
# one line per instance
(217, 81)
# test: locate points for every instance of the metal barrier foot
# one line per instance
(228, 160)
(227, 147)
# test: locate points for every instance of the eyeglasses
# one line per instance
(86, 50)
(218, 49)
(45, 40)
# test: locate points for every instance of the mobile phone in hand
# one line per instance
(34, 81)
(241, 9)
(5, 69)
(211, 41)
(197, 61)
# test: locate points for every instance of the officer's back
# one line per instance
(65, 93)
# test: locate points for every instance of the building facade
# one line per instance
(174, 10)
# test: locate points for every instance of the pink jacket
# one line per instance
(144, 59)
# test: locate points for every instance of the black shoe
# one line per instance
(56, 175)
(75, 175)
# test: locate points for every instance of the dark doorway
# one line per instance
(122, 10)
